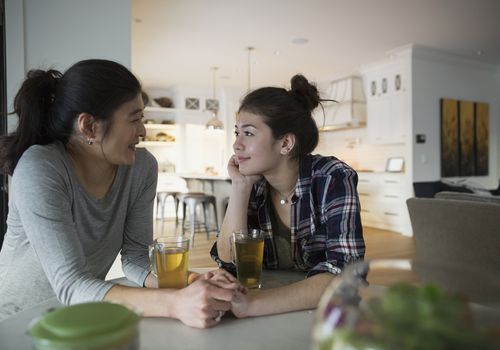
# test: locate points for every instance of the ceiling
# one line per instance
(176, 42)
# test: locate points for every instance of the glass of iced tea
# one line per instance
(247, 250)
(169, 261)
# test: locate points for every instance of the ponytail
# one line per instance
(49, 102)
(33, 106)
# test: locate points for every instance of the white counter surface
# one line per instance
(196, 176)
(285, 331)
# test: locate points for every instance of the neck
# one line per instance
(284, 179)
(92, 170)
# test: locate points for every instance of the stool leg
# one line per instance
(176, 201)
(192, 220)
(163, 203)
(215, 215)
(157, 205)
(183, 216)
(205, 218)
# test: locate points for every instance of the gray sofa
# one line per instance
(460, 230)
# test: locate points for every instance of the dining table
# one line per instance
(283, 331)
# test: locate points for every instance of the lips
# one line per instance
(242, 159)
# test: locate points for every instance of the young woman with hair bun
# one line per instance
(306, 205)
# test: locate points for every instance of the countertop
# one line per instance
(286, 331)
(201, 176)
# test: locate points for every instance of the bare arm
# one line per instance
(301, 295)
(236, 214)
(197, 305)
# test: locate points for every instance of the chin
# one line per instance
(248, 172)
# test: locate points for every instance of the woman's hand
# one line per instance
(223, 279)
(201, 304)
(235, 174)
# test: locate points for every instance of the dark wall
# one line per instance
(3, 120)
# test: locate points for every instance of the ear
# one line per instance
(287, 143)
(87, 125)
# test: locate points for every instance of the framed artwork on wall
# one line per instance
(450, 164)
(464, 138)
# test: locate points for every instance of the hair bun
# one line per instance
(305, 92)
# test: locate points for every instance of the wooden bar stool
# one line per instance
(192, 201)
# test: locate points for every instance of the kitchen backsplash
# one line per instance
(352, 147)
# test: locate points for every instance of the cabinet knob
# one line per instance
(384, 85)
(373, 88)
(397, 82)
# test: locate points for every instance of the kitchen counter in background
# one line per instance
(217, 185)
(201, 176)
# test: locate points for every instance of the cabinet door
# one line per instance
(379, 114)
(400, 107)
(399, 119)
(388, 105)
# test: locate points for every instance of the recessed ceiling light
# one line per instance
(300, 41)
(479, 52)
(277, 53)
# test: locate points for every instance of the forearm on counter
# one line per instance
(302, 295)
(149, 301)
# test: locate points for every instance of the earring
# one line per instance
(90, 141)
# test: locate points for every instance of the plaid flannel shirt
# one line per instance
(326, 231)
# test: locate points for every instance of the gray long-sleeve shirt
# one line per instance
(62, 241)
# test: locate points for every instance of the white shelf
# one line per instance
(175, 110)
(156, 144)
(169, 127)
(176, 115)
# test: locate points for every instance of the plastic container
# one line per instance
(87, 326)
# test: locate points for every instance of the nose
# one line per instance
(237, 145)
(141, 129)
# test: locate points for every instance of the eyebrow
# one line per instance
(135, 111)
(245, 126)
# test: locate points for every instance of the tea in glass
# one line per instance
(248, 252)
(169, 261)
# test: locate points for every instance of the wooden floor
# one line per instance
(379, 244)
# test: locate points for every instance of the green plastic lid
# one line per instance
(84, 321)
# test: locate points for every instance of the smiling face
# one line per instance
(127, 128)
(257, 151)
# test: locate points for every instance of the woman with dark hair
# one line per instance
(81, 193)
(306, 205)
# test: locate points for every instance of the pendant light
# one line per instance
(214, 123)
(249, 66)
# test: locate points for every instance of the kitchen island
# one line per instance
(285, 331)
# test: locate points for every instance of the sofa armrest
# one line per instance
(467, 197)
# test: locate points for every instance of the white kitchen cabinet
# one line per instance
(383, 201)
(387, 90)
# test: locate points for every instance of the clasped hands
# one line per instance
(209, 296)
